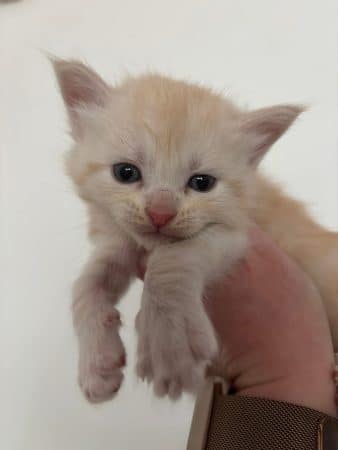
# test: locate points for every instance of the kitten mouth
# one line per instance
(155, 232)
(159, 233)
(162, 233)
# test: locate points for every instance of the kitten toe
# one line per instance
(175, 389)
(193, 378)
(202, 341)
(98, 389)
(144, 369)
(161, 386)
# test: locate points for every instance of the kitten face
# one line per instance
(162, 158)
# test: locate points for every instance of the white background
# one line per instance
(260, 52)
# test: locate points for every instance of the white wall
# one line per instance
(261, 52)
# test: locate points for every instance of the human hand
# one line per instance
(273, 329)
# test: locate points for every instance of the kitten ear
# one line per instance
(81, 88)
(262, 128)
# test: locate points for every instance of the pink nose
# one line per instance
(159, 219)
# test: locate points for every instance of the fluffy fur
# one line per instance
(172, 130)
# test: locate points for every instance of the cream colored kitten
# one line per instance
(169, 168)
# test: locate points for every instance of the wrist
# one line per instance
(314, 390)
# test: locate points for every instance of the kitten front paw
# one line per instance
(102, 358)
(173, 352)
(98, 388)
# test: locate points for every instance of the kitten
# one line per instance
(169, 168)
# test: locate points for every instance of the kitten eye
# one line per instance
(202, 183)
(126, 173)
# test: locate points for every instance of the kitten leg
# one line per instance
(176, 337)
(101, 352)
